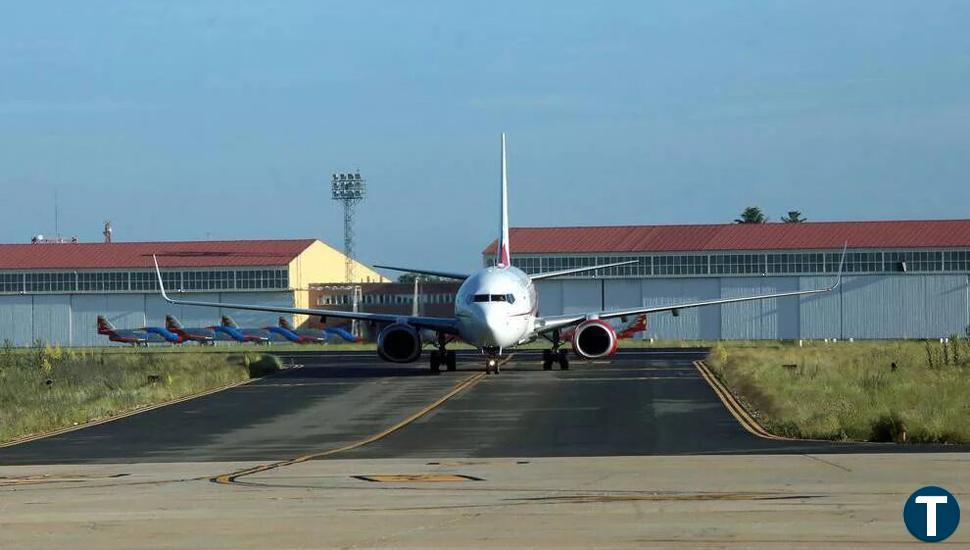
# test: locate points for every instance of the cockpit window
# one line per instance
(494, 298)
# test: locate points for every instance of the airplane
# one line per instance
(193, 334)
(136, 337)
(303, 335)
(314, 335)
(230, 328)
(124, 336)
(496, 309)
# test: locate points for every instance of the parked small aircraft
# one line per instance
(317, 335)
(201, 335)
(124, 336)
(301, 336)
(254, 335)
(136, 336)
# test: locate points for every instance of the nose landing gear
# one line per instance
(492, 366)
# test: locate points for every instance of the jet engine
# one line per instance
(399, 343)
(594, 339)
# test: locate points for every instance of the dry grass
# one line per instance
(849, 391)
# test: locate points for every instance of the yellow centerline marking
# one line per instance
(226, 479)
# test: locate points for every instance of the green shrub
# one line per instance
(260, 364)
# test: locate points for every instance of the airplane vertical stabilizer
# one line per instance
(503, 253)
(104, 325)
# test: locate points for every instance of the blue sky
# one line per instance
(196, 120)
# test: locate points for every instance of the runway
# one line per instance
(641, 402)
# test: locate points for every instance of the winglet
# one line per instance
(161, 285)
(838, 276)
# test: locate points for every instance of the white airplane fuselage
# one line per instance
(496, 308)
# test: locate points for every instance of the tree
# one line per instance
(752, 214)
(794, 216)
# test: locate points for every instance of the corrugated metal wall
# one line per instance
(71, 319)
(864, 307)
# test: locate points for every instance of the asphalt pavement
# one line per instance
(641, 402)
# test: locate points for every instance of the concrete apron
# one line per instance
(799, 501)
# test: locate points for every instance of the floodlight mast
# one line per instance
(350, 189)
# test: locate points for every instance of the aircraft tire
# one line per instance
(451, 361)
(563, 360)
(435, 362)
(547, 359)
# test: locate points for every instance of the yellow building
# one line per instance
(321, 263)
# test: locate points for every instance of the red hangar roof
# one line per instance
(133, 255)
(731, 237)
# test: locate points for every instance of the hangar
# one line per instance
(903, 279)
(53, 291)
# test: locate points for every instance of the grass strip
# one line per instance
(902, 391)
(49, 388)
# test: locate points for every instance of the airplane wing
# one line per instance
(446, 325)
(547, 324)
(551, 274)
(445, 274)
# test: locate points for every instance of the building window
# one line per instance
(855, 262)
(795, 263)
(113, 281)
(50, 282)
(11, 282)
(957, 260)
(262, 279)
(208, 280)
(682, 264)
(148, 280)
(738, 264)
(529, 265)
(913, 261)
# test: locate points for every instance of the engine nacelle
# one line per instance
(594, 339)
(399, 343)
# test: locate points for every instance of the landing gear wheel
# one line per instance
(563, 358)
(548, 358)
(491, 366)
(451, 361)
(435, 362)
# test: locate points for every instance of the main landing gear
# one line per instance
(556, 354)
(441, 356)
(550, 356)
